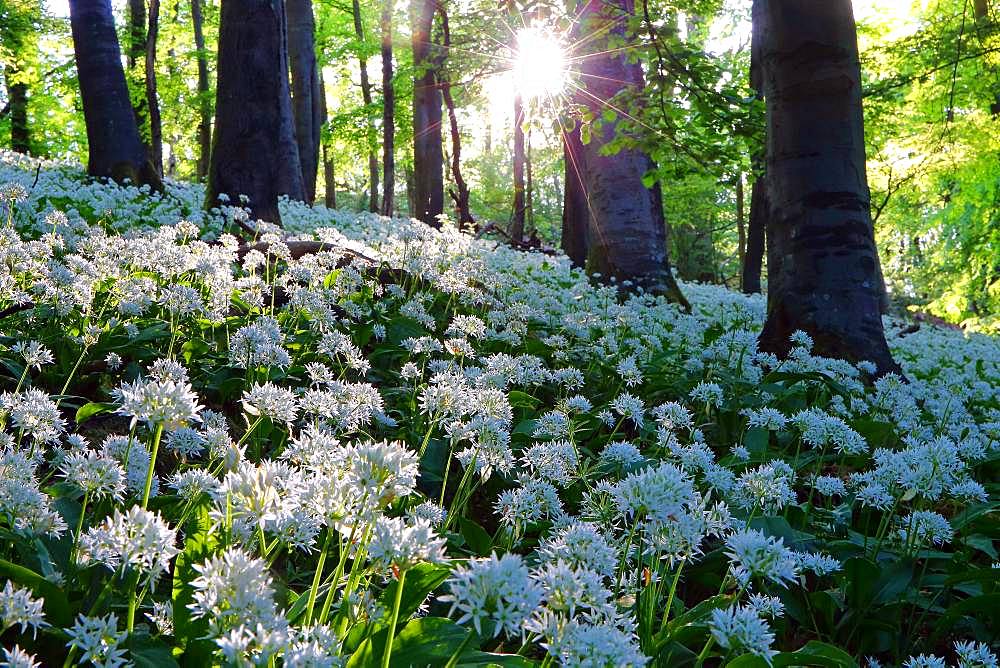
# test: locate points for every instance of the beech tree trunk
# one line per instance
(627, 238)
(254, 152)
(428, 158)
(20, 133)
(152, 103)
(517, 220)
(753, 260)
(823, 266)
(115, 148)
(366, 95)
(741, 229)
(388, 113)
(575, 214)
(305, 89)
(17, 36)
(461, 194)
(204, 99)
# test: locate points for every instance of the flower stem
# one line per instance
(152, 464)
(393, 619)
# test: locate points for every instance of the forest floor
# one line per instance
(409, 438)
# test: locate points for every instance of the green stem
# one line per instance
(392, 620)
(79, 528)
(317, 577)
(152, 464)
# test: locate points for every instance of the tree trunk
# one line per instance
(115, 148)
(461, 195)
(388, 113)
(576, 214)
(529, 188)
(366, 95)
(517, 221)
(20, 133)
(329, 174)
(305, 87)
(627, 238)
(428, 167)
(204, 99)
(741, 230)
(823, 265)
(754, 259)
(254, 151)
(152, 104)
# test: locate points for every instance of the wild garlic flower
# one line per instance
(925, 661)
(571, 589)
(98, 640)
(269, 400)
(578, 643)
(658, 492)
(137, 539)
(925, 526)
(16, 657)
(555, 461)
(36, 414)
(580, 545)
(258, 344)
(33, 353)
(19, 608)
(975, 655)
(762, 556)
(495, 590)
(396, 542)
(233, 589)
(382, 471)
(94, 473)
(158, 402)
(740, 629)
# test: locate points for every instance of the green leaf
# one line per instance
(756, 440)
(476, 537)
(147, 652)
(190, 634)
(90, 409)
(427, 641)
(695, 615)
(816, 653)
(421, 580)
(56, 605)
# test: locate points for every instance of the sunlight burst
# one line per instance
(539, 63)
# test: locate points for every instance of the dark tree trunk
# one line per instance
(461, 194)
(741, 230)
(529, 188)
(329, 174)
(823, 265)
(152, 103)
(428, 159)
(136, 57)
(204, 96)
(115, 148)
(754, 259)
(388, 113)
(411, 192)
(576, 214)
(20, 133)
(627, 229)
(517, 220)
(366, 95)
(305, 88)
(254, 151)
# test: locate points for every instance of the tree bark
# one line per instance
(428, 167)
(366, 95)
(754, 258)
(152, 103)
(388, 113)
(741, 230)
(114, 146)
(204, 99)
(17, 35)
(823, 265)
(329, 173)
(517, 220)
(461, 194)
(627, 238)
(254, 152)
(529, 189)
(575, 213)
(305, 88)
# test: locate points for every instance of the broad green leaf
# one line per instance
(92, 408)
(476, 537)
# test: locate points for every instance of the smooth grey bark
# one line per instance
(388, 113)
(152, 103)
(627, 238)
(517, 218)
(824, 276)
(204, 99)
(366, 96)
(428, 157)
(115, 149)
(305, 89)
(254, 152)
